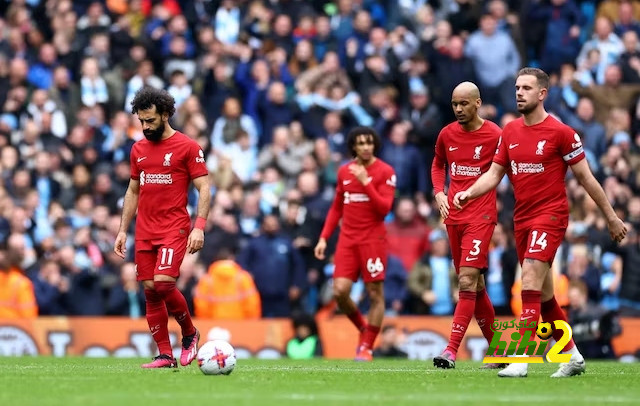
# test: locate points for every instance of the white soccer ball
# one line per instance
(216, 357)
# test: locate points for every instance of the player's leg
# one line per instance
(538, 253)
(480, 236)
(485, 315)
(373, 262)
(156, 310)
(552, 311)
(170, 255)
(468, 279)
(345, 274)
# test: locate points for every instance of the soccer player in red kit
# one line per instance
(364, 196)
(162, 167)
(535, 151)
(468, 146)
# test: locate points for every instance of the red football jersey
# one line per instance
(536, 159)
(362, 208)
(469, 154)
(165, 170)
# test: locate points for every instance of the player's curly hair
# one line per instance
(149, 96)
(356, 132)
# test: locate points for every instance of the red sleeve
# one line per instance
(195, 161)
(382, 196)
(133, 163)
(501, 157)
(335, 212)
(439, 165)
(571, 146)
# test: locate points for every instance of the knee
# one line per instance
(341, 291)
(375, 293)
(468, 282)
(164, 287)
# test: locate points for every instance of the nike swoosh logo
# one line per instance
(142, 158)
(346, 182)
(471, 259)
(452, 148)
(161, 268)
(512, 146)
(526, 318)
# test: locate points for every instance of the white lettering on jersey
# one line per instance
(155, 179)
(573, 154)
(355, 198)
(526, 167)
(199, 159)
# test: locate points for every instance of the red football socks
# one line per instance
(485, 314)
(530, 310)
(369, 335)
(461, 318)
(358, 320)
(158, 320)
(176, 305)
(551, 311)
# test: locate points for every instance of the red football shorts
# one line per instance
(469, 245)
(537, 241)
(160, 257)
(367, 258)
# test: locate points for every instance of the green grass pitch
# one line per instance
(121, 382)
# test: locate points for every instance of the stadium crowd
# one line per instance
(269, 89)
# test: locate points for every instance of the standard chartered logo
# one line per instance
(453, 169)
(526, 167)
(155, 179)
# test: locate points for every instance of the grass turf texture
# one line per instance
(121, 382)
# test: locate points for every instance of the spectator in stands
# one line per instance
(433, 281)
(127, 297)
(408, 234)
(17, 299)
(227, 292)
(391, 339)
(277, 268)
(306, 343)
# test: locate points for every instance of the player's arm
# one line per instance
(330, 224)
(381, 198)
(438, 178)
(583, 174)
(488, 181)
(129, 208)
(196, 237)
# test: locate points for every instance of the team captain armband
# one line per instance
(200, 223)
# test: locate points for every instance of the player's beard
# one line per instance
(154, 135)
(527, 108)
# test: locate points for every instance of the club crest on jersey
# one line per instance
(541, 144)
(477, 152)
(167, 159)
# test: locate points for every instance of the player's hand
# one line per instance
(443, 204)
(195, 241)
(461, 198)
(120, 246)
(320, 248)
(617, 229)
(359, 171)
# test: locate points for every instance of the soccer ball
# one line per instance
(544, 330)
(216, 357)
